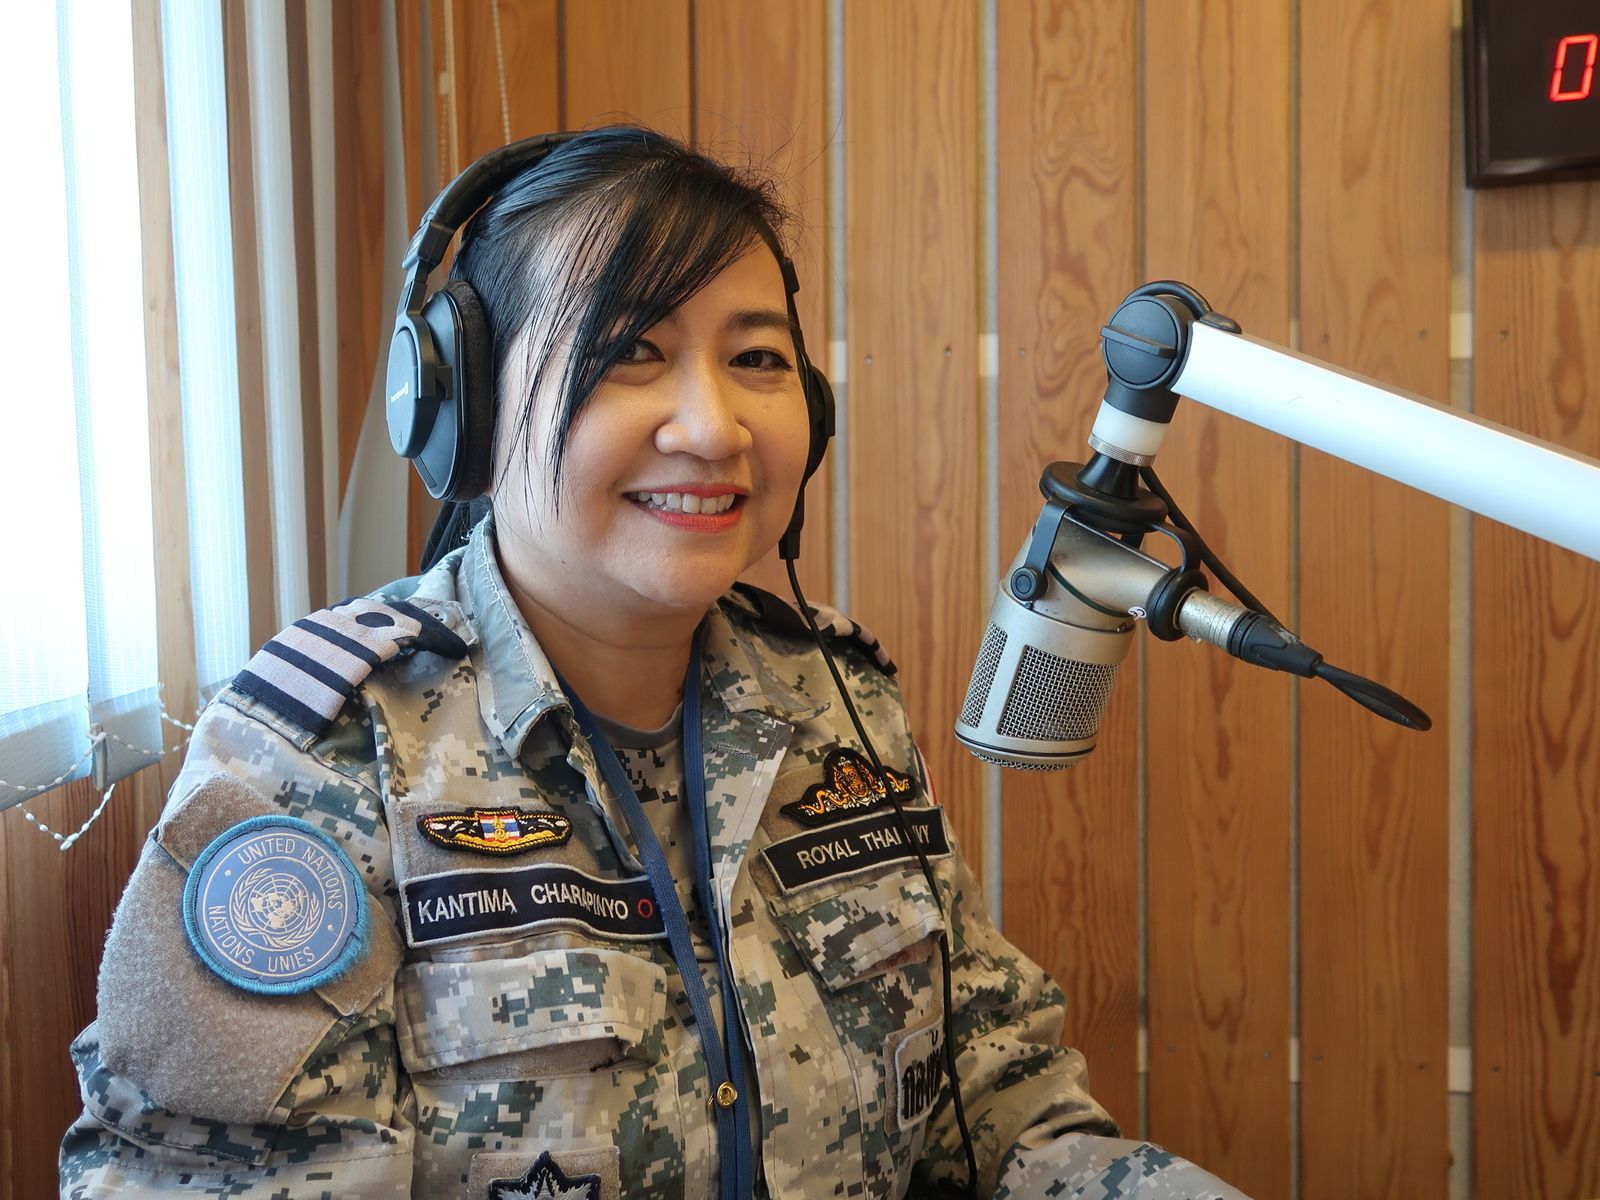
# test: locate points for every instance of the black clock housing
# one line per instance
(1532, 90)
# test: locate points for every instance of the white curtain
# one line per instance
(280, 302)
(78, 692)
(79, 687)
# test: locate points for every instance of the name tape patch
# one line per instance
(273, 905)
(918, 1074)
(453, 905)
(849, 847)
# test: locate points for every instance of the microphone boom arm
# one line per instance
(1531, 485)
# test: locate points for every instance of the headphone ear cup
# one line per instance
(472, 366)
(819, 408)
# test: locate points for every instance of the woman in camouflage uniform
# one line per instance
(406, 927)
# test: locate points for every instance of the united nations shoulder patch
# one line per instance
(273, 905)
(850, 786)
(495, 830)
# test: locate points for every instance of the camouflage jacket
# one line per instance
(509, 1023)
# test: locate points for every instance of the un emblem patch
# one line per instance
(273, 905)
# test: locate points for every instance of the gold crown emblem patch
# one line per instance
(495, 830)
(849, 786)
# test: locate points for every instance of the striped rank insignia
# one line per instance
(495, 830)
(308, 671)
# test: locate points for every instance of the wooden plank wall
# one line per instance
(1243, 892)
(914, 423)
(1374, 297)
(1218, 190)
(1536, 722)
(1070, 841)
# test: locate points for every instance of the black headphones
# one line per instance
(440, 388)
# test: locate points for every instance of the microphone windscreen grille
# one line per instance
(994, 642)
(1013, 764)
(1055, 699)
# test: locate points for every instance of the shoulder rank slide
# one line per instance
(308, 671)
(778, 613)
(834, 623)
(274, 906)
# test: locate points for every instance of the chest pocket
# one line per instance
(853, 931)
(544, 1014)
(559, 1050)
(871, 944)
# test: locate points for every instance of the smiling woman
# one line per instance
(570, 867)
(679, 473)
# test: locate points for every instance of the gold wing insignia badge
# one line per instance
(495, 830)
(850, 786)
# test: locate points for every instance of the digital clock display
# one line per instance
(1532, 90)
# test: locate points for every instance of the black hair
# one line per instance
(605, 237)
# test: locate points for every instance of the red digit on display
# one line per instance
(1581, 92)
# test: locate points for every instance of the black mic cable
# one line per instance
(1273, 646)
(971, 1189)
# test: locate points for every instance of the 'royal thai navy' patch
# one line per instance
(850, 787)
(495, 830)
(850, 847)
(273, 905)
(546, 1181)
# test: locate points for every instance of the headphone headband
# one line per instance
(463, 196)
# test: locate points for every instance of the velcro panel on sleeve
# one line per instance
(193, 1042)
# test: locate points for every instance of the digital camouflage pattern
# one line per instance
(488, 1051)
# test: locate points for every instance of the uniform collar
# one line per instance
(518, 687)
(739, 671)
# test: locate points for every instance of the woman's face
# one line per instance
(682, 468)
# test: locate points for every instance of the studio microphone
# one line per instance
(1065, 614)
(1063, 620)
(1045, 670)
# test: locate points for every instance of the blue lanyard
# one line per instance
(724, 1058)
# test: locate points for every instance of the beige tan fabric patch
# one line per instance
(507, 1175)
